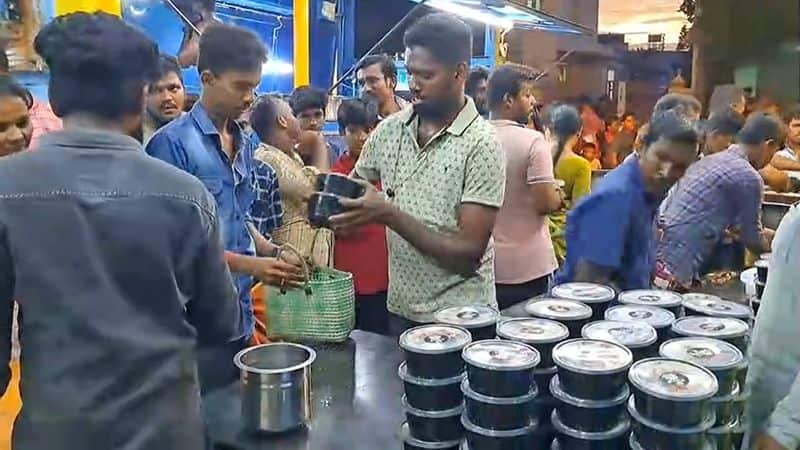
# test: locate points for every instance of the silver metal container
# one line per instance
(276, 391)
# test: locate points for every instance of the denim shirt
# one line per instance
(614, 227)
(117, 266)
(192, 143)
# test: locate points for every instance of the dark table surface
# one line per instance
(355, 396)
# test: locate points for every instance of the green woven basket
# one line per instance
(323, 311)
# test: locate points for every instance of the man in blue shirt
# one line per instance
(611, 232)
(208, 143)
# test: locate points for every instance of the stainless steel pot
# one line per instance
(276, 394)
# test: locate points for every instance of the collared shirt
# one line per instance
(116, 263)
(613, 227)
(267, 210)
(774, 375)
(719, 192)
(44, 121)
(521, 236)
(362, 252)
(192, 143)
(788, 153)
(463, 163)
(401, 103)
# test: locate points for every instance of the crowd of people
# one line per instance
(147, 227)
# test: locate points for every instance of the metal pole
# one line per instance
(553, 66)
(374, 47)
(182, 16)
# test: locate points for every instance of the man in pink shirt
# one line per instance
(525, 258)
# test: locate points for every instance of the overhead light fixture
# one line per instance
(471, 13)
(276, 67)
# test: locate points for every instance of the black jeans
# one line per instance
(509, 295)
(371, 313)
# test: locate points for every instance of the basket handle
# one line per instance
(306, 270)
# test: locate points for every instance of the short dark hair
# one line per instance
(388, 68)
(507, 80)
(564, 120)
(626, 115)
(307, 97)
(682, 103)
(792, 113)
(446, 36)
(227, 48)
(357, 112)
(725, 121)
(672, 125)
(98, 64)
(169, 64)
(264, 115)
(10, 88)
(476, 75)
(761, 127)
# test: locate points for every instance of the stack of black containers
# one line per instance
(762, 271)
(432, 374)
(543, 335)
(726, 362)
(671, 406)
(591, 390)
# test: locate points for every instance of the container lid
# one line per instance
(494, 354)
(405, 435)
(621, 428)
(712, 305)
(532, 330)
(584, 292)
(734, 397)
(673, 380)
(762, 263)
(713, 327)
(629, 334)
(652, 315)
(558, 393)
(431, 414)
(558, 309)
(634, 444)
(402, 372)
(651, 297)
(765, 256)
(472, 428)
(469, 393)
(592, 357)
(704, 426)
(467, 316)
(435, 339)
(712, 354)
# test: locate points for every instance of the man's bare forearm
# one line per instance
(448, 250)
(781, 163)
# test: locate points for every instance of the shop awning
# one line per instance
(507, 14)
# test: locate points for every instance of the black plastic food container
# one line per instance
(656, 436)
(434, 351)
(597, 296)
(720, 357)
(759, 294)
(571, 313)
(671, 392)
(410, 443)
(730, 408)
(728, 437)
(659, 318)
(479, 320)
(545, 404)
(633, 444)
(341, 185)
(592, 369)
(730, 330)
(762, 269)
(500, 368)
(499, 413)
(431, 394)
(695, 304)
(541, 334)
(668, 300)
(479, 438)
(571, 439)
(589, 415)
(434, 426)
(639, 337)
(321, 207)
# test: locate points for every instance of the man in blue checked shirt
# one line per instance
(208, 143)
